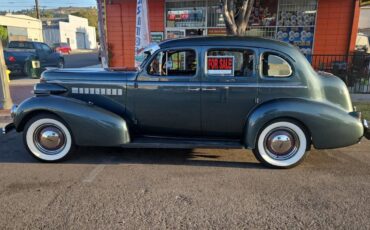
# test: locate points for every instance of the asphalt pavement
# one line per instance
(112, 188)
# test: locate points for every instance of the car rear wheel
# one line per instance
(47, 138)
(281, 144)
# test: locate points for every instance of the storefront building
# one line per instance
(316, 27)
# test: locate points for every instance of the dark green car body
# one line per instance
(104, 107)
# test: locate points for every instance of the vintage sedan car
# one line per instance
(211, 92)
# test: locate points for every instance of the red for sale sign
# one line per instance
(220, 65)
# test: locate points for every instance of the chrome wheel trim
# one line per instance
(43, 155)
(281, 143)
(288, 161)
(49, 139)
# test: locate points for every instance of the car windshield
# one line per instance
(20, 45)
(145, 54)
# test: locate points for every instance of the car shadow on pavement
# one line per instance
(13, 151)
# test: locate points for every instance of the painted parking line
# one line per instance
(94, 173)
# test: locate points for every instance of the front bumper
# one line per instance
(15, 68)
(11, 126)
(366, 129)
(8, 128)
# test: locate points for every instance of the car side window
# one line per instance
(38, 46)
(46, 48)
(237, 63)
(173, 63)
(275, 66)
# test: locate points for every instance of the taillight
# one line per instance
(11, 59)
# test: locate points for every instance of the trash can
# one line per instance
(33, 68)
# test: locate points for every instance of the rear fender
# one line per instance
(329, 125)
(90, 125)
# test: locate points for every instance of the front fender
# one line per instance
(90, 125)
(328, 125)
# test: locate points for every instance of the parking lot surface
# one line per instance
(113, 188)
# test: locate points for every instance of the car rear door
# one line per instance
(228, 90)
(166, 94)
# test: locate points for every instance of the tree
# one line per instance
(236, 15)
(3, 33)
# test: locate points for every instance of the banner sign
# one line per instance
(364, 2)
(220, 65)
(142, 39)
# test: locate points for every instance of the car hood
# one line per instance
(87, 74)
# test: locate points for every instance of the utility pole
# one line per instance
(37, 8)
(5, 99)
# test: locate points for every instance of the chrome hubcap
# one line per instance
(49, 139)
(281, 143)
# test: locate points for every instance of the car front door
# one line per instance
(47, 57)
(166, 94)
(228, 90)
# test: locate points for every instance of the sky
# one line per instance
(14, 5)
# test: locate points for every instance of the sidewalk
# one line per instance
(78, 51)
(4, 118)
(360, 98)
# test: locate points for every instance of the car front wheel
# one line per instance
(47, 138)
(281, 144)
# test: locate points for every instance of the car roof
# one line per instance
(227, 41)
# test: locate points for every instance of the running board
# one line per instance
(178, 143)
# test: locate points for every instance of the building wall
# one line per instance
(51, 35)
(121, 29)
(336, 26)
(69, 30)
(21, 27)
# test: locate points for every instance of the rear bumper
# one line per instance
(366, 129)
(15, 68)
(8, 128)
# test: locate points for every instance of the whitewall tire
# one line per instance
(281, 144)
(47, 138)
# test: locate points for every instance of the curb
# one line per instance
(5, 117)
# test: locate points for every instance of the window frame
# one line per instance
(232, 49)
(149, 62)
(49, 50)
(280, 55)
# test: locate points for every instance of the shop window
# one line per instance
(186, 14)
(237, 63)
(296, 23)
(174, 63)
(275, 66)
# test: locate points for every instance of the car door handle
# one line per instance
(193, 89)
(209, 89)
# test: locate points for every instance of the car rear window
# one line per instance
(21, 45)
(275, 66)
